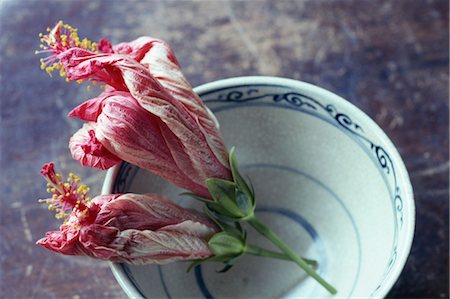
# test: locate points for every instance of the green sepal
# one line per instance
(224, 194)
(197, 197)
(252, 190)
(238, 179)
(213, 258)
(218, 220)
(219, 188)
(196, 263)
(220, 213)
(244, 203)
(228, 265)
(240, 229)
(225, 244)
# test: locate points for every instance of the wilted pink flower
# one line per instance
(147, 97)
(131, 228)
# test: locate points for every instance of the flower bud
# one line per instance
(227, 245)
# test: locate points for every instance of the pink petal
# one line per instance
(152, 212)
(143, 247)
(81, 64)
(96, 240)
(135, 135)
(163, 65)
(64, 241)
(161, 247)
(86, 148)
(136, 229)
(105, 46)
(178, 119)
(136, 49)
(191, 228)
(90, 109)
(186, 127)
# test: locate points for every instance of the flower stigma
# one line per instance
(58, 40)
(68, 197)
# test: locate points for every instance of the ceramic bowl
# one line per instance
(327, 180)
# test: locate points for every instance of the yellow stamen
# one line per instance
(63, 37)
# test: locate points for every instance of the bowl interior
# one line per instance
(327, 180)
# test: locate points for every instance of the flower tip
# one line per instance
(41, 241)
(44, 241)
(48, 168)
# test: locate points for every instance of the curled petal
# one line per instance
(105, 46)
(186, 127)
(177, 118)
(81, 64)
(152, 212)
(141, 138)
(64, 241)
(86, 148)
(48, 171)
(91, 109)
(177, 106)
(136, 229)
(192, 228)
(136, 49)
(140, 247)
(163, 65)
(96, 241)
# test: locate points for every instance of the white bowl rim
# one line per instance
(131, 290)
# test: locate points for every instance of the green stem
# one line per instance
(258, 251)
(269, 234)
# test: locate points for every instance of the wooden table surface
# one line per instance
(389, 58)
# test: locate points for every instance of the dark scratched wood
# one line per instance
(389, 58)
